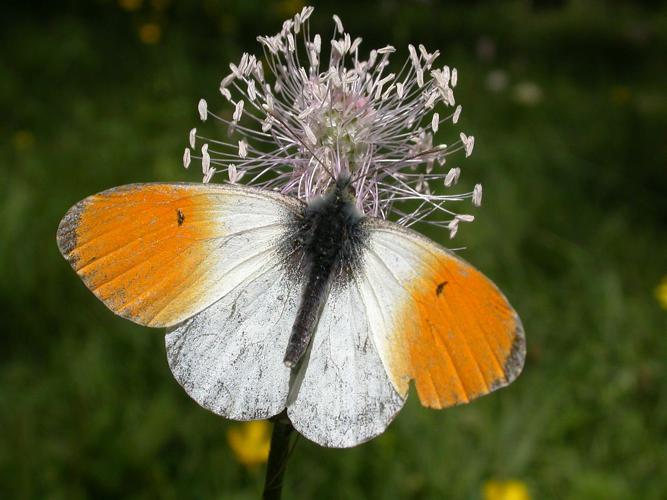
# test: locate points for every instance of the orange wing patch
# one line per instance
(133, 247)
(462, 339)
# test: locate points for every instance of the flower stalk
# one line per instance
(278, 457)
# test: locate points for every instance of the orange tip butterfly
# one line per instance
(271, 303)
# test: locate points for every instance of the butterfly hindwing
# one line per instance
(343, 395)
(229, 357)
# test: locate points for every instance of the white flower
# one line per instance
(314, 121)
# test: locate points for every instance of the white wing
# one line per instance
(229, 358)
(343, 396)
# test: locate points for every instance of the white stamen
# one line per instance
(269, 102)
(252, 93)
(355, 44)
(305, 13)
(430, 102)
(232, 173)
(413, 57)
(457, 114)
(453, 227)
(449, 96)
(186, 157)
(477, 195)
(238, 111)
(339, 46)
(236, 71)
(339, 23)
(267, 124)
(208, 175)
(452, 176)
(399, 90)
(192, 136)
(243, 148)
(226, 93)
(468, 142)
(226, 81)
(205, 159)
(202, 107)
(420, 77)
(435, 122)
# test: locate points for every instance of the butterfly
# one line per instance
(271, 303)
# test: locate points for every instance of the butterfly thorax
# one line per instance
(329, 236)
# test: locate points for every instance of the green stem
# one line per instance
(278, 455)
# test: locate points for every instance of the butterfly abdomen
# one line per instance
(330, 236)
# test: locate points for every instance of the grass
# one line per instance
(573, 228)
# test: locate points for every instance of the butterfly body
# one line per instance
(329, 240)
(272, 304)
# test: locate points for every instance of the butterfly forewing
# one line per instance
(159, 253)
(436, 319)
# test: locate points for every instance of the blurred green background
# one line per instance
(567, 103)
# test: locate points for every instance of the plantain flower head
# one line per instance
(302, 117)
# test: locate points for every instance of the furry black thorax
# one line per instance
(329, 238)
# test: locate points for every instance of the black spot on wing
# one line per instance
(180, 217)
(440, 288)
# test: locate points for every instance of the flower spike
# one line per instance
(309, 124)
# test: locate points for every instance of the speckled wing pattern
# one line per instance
(343, 396)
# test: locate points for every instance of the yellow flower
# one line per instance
(150, 33)
(505, 490)
(661, 293)
(250, 442)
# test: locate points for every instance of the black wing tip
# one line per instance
(517, 356)
(66, 235)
